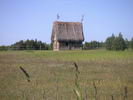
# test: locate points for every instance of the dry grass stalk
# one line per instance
(25, 72)
(95, 90)
(57, 90)
(86, 96)
(125, 93)
(76, 66)
(44, 94)
(112, 97)
(77, 90)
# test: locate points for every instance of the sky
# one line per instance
(33, 19)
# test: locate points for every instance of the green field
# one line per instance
(52, 75)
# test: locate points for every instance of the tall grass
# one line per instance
(77, 89)
(106, 75)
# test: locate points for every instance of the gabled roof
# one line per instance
(67, 31)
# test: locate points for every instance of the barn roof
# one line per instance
(67, 31)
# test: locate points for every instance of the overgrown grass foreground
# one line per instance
(103, 75)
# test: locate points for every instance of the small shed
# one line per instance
(67, 35)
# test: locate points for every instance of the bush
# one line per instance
(3, 48)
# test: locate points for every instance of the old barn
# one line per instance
(67, 35)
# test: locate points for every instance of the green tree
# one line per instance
(102, 44)
(116, 43)
(86, 46)
(127, 43)
(119, 43)
(94, 44)
(131, 43)
(109, 42)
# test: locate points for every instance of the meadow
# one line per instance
(103, 75)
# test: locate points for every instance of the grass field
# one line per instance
(52, 75)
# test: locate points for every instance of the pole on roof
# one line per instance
(58, 17)
(82, 18)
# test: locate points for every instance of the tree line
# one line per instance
(28, 45)
(93, 45)
(112, 43)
